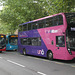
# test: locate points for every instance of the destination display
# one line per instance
(72, 29)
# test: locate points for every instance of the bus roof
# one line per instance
(40, 19)
(10, 35)
(26, 23)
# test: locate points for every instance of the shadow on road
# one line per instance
(11, 51)
(62, 61)
(65, 61)
(56, 60)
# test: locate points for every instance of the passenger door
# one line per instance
(60, 46)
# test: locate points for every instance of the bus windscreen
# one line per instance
(70, 17)
(13, 40)
(2, 41)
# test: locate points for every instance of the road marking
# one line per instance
(29, 57)
(36, 58)
(54, 62)
(58, 63)
(72, 66)
(41, 73)
(46, 60)
(33, 57)
(21, 55)
(0, 57)
(15, 63)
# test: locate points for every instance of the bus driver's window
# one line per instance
(60, 42)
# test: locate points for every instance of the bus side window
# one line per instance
(39, 41)
(41, 23)
(29, 41)
(60, 41)
(49, 22)
(57, 20)
(34, 25)
(29, 26)
(24, 41)
(60, 19)
(25, 27)
(34, 42)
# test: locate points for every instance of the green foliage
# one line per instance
(58, 6)
(16, 12)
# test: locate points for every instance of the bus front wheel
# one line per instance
(24, 52)
(50, 55)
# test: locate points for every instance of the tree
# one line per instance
(16, 12)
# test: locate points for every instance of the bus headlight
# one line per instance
(10, 47)
(69, 51)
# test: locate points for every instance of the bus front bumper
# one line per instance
(4, 49)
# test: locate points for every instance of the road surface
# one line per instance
(13, 63)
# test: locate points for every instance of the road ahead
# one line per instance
(13, 63)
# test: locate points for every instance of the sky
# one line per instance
(1, 4)
(1, 7)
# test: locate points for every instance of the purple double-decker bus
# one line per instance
(51, 36)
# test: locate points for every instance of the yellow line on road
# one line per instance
(72, 66)
(32, 57)
(46, 60)
(36, 58)
(59, 63)
(21, 55)
(29, 57)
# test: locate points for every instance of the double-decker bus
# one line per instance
(2, 43)
(51, 36)
(11, 42)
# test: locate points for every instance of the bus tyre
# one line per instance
(24, 52)
(50, 55)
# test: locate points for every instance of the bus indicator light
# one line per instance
(2, 36)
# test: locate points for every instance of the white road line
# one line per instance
(15, 63)
(0, 57)
(41, 73)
